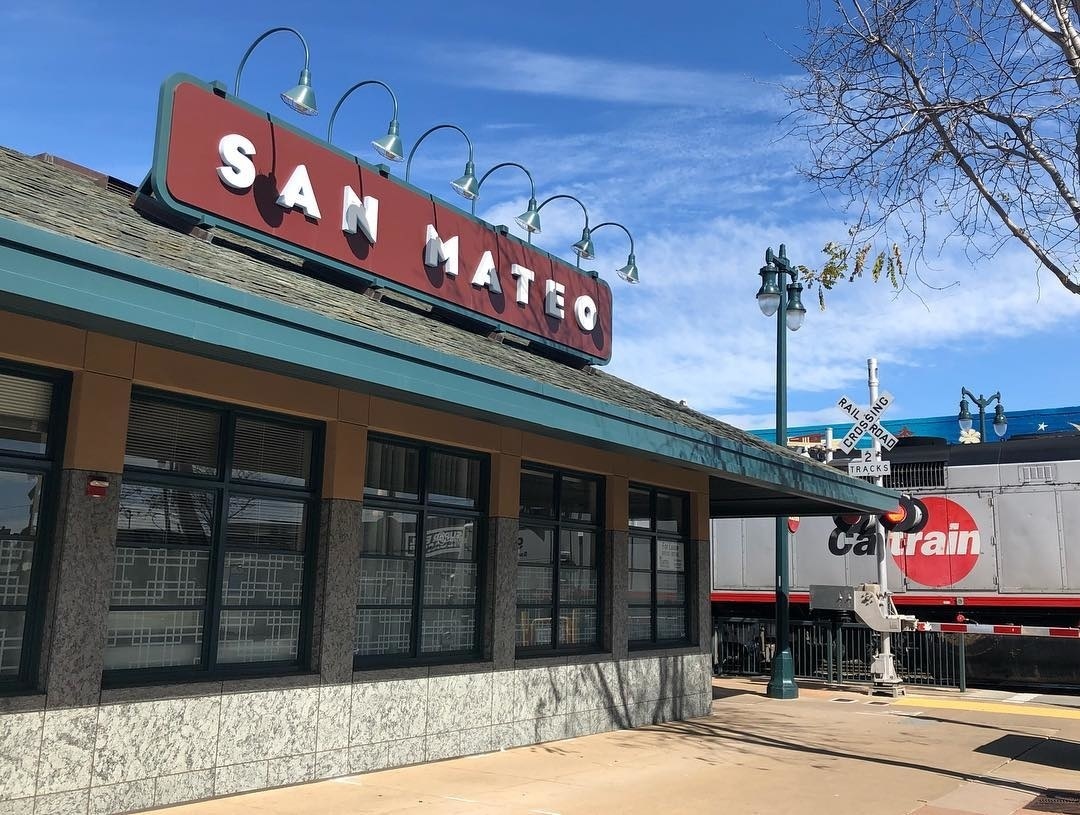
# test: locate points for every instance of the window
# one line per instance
(659, 527)
(421, 546)
(214, 540)
(30, 442)
(558, 561)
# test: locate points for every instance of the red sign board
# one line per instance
(238, 168)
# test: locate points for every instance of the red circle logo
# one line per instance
(945, 551)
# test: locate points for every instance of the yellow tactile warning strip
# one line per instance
(990, 707)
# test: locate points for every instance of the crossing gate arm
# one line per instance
(1000, 630)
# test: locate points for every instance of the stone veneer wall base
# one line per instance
(128, 756)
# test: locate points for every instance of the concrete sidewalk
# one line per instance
(934, 755)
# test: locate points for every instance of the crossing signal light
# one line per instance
(909, 516)
(851, 524)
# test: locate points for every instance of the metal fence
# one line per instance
(838, 652)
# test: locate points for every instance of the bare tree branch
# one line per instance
(915, 109)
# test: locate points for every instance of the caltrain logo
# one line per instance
(946, 549)
(934, 541)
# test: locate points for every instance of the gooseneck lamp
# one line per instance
(300, 97)
(388, 146)
(629, 272)
(465, 186)
(583, 248)
(529, 220)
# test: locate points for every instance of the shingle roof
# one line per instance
(61, 200)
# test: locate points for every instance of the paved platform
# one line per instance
(830, 751)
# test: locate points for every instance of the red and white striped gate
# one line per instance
(1000, 630)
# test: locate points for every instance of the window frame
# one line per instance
(50, 465)
(556, 524)
(422, 507)
(689, 566)
(223, 486)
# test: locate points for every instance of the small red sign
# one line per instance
(793, 523)
(945, 551)
(97, 487)
(245, 170)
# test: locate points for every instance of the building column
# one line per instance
(85, 535)
(337, 574)
(502, 560)
(616, 565)
(701, 553)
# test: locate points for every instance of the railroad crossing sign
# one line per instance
(866, 421)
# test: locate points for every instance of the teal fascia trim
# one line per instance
(61, 277)
(161, 192)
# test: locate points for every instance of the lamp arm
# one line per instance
(348, 93)
(260, 38)
(982, 401)
(623, 228)
(547, 201)
(483, 178)
(783, 264)
(428, 132)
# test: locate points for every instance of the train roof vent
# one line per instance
(909, 475)
(1037, 473)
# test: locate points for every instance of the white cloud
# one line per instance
(522, 70)
(705, 188)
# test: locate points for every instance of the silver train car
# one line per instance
(1001, 543)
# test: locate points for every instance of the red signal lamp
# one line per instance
(909, 516)
(894, 517)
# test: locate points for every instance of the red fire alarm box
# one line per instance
(97, 486)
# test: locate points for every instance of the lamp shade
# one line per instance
(301, 97)
(584, 247)
(768, 295)
(795, 312)
(529, 220)
(1001, 422)
(629, 271)
(964, 417)
(466, 186)
(389, 146)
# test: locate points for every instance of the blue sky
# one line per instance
(660, 116)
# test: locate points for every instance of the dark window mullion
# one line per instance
(214, 579)
(418, 550)
(556, 557)
(215, 599)
(655, 553)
